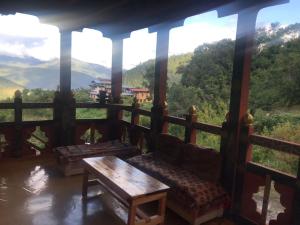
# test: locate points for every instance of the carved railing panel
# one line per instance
(49, 131)
(92, 132)
(6, 141)
(287, 195)
(249, 206)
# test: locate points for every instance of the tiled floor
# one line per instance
(34, 192)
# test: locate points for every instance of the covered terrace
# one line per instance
(29, 183)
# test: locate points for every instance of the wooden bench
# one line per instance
(69, 157)
(128, 185)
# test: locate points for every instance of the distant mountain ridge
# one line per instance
(28, 72)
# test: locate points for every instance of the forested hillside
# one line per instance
(274, 92)
(135, 76)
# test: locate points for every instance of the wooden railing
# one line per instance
(250, 175)
(16, 134)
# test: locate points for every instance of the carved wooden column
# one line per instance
(161, 74)
(239, 97)
(67, 101)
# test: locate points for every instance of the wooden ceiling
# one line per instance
(114, 17)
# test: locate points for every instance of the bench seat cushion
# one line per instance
(186, 188)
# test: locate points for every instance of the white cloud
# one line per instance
(90, 45)
(19, 32)
(186, 38)
(140, 47)
(24, 35)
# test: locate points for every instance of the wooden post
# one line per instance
(117, 69)
(65, 61)
(239, 96)
(190, 133)
(18, 125)
(115, 114)
(160, 80)
(161, 75)
(67, 101)
(244, 156)
(57, 113)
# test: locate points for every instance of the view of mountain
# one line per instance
(27, 72)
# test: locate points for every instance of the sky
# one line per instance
(23, 35)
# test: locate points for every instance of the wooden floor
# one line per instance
(34, 192)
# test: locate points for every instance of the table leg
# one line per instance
(162, 208)
(131, 214)
(85, 184)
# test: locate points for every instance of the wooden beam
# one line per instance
(236, 6)
(65, 61)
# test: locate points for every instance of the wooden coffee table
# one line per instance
(128, 185)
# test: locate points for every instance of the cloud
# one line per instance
(29, 42)
(140, 47)
(90, 45)
(186, 38)
(23, 35)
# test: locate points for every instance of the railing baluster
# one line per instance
(190, 131)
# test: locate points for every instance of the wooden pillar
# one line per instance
(190, 135)
(65, 61)
(239, 96)
(17, 149)
(117, 68)
(66, 99)
(161, 66)
(161, 75)
(244, 156)
(115, 114)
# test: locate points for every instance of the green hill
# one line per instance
(135, 76)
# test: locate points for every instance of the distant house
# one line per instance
(142, 94)
(101, 84)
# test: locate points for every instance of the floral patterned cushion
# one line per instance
(186, 187)
(203, 162)
(169, 149)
